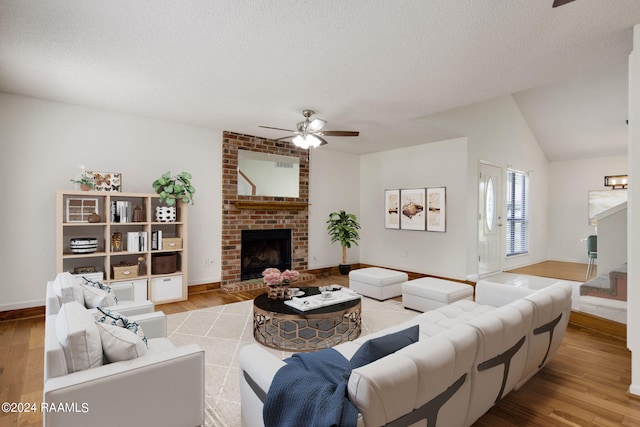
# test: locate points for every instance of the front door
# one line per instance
(489, 219)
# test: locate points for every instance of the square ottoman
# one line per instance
(429, 293)
(376, 282)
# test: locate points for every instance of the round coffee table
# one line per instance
(280, 326)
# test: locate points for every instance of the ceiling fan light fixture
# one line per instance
(300, 142)
(316, 125)
(312, 141)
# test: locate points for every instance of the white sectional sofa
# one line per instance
(469, 355)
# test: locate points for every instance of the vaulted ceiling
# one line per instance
(373, 66)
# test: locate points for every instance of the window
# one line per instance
(517, 213)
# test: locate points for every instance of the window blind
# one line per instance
(517, 213)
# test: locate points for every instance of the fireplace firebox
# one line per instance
(262, 249)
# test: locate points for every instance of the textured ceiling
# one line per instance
(371, 66)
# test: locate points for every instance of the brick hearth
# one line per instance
(260, 212)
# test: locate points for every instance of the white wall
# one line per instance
(334, 184)
(633, 219)
(498, 133)
(41, 145)
(440, 164)
(569, 186)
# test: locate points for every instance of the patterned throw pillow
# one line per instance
(116, 319)
(101, 286)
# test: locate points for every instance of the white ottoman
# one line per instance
(429, 293)
(376, 282)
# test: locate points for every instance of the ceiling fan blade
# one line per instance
(557, 3)
(322, 140)
(285, 137)
(316, 125)
(340, 133)
(269, 127)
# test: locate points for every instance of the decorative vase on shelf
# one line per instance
(165, 213)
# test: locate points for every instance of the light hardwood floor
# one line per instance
(585, 384)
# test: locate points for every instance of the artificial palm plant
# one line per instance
(343, 228)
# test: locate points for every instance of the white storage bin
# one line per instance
(139, 288)
(166, 288)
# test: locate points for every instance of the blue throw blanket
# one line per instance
(311, 391)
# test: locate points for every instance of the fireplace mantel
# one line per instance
(271, 206)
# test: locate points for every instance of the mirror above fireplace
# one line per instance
(263, 174)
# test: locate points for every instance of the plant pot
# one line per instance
(344, 268)
(85, 187)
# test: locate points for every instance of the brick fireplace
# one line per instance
(260, 212)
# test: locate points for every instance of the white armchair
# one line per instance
(162, 387)
(66, 288)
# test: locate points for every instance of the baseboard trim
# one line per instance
(22, 313)
(205, 287)
(599, 324)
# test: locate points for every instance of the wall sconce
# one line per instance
(616, 181)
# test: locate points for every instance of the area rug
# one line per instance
(222, 331)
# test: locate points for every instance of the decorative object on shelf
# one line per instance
(116, 242)
(138, 214)
(94, 218)
(412, 203)
(278, 283)
(392, 209)
(83, 245)
(165, 213)
(83, 180)
(106, 181)
(436, 209)
(142, 266)
(172, 188)
(343, 228)
(84, 270)
(79, 209)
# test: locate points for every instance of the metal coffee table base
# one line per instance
(306, 331)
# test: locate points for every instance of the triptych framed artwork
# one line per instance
(416, 209)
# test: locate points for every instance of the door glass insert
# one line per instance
(490, 205)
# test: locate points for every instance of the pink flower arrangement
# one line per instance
(272, 276)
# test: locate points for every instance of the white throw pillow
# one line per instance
(79, 337)
(67, 288)
(95, 297)
(119, 343)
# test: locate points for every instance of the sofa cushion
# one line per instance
(380, 347)
(119, 343)
(116, 319)
(67, 288)
(79, 337)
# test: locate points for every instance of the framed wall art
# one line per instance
(392, 209)
(436, 209)
(412, 203)
(105, 181)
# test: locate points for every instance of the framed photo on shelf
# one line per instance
(436, 209)
(79, 209)
(392, 209)
(412, 203)
(106, 181)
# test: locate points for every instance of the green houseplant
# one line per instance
(85, 183)
(343, 228)
(172, 188)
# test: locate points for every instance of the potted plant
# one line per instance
(172, 188)
(343, 228)
(85, 183)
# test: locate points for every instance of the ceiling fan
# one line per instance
(557, 3)
(309, 132)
